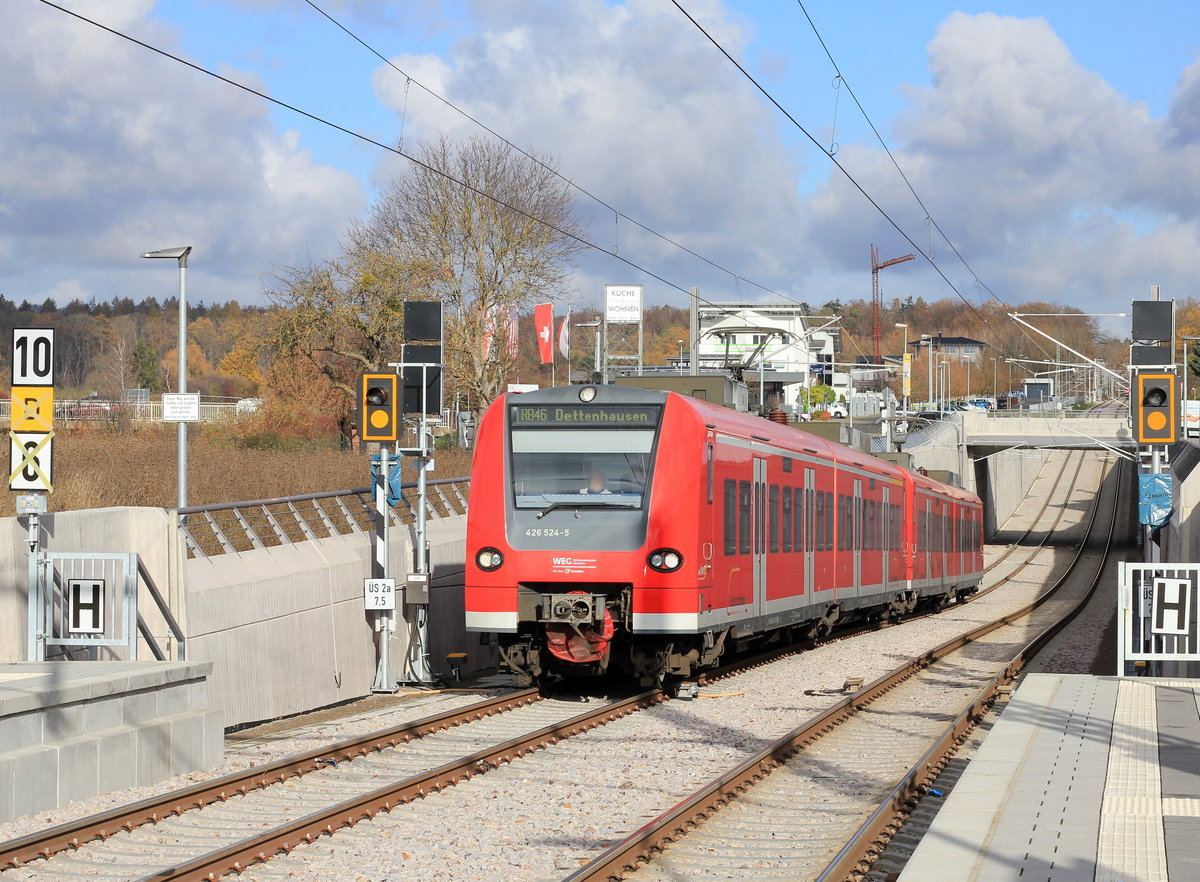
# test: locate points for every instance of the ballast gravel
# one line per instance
(544, 815)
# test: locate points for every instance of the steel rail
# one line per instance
(638, 847)
(73, 834)
(868, 841)
(263, 846)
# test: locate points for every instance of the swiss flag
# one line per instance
(543, 321)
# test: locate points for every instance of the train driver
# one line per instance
(596, 483)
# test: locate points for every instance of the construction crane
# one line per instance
(876, 266)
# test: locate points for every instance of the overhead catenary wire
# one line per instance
(929, 218)
(618, 215)
(369, 140)
(845, 172)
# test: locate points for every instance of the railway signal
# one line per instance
(378, 414)
(1155, 414)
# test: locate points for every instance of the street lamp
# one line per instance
(180, 254)
(927, 340)
(905, 363)
(680, 365)
(1185, 384)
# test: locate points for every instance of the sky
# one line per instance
(1056, 145)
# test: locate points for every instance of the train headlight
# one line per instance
(489, 559)
(665, 560)
(587, 393)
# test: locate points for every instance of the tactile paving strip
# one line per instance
(1131, 843)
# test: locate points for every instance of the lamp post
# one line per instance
(181, 255)
(1185, 369)
(927, 341)
(905, 364)
(680, 365)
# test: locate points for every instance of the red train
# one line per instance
(648, 533)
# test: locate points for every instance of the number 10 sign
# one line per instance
(31, 428)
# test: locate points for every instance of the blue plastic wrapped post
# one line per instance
(394, 479)
(1155, 502)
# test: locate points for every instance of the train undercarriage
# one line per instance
(585, 631)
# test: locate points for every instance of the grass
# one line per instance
(97, 468)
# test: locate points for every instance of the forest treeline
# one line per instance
(238, 351)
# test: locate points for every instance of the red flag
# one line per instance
(543, 321)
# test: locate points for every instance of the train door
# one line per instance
(926, 549)
(759, 564)
(857, 525)
(884, 524)
(810, 526)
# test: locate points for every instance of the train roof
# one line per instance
(740, 424)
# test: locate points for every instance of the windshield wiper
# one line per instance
(584, 503)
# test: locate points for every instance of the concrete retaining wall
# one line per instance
(73, 730)
(286, 630)
(284, 627)
(1003, 480)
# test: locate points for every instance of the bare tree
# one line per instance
(491, 230)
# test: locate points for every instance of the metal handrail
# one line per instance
(231, 527)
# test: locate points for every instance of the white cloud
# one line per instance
(640, 110)
(110, 150)
(1051, 183)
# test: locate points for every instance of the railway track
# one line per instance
(819, 802)
(301, 798)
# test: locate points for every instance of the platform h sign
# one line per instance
(85, 606)
(1170, 605)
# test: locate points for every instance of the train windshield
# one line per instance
(595, 464)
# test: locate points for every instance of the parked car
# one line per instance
(838, 411)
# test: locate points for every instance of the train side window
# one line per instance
(773, 518)
(787, 519)
(872, 543)
(744, 517)
(730, 516)
(842, 532)
(798, 521)
(709, 456)
(820, 521)
(829, 520)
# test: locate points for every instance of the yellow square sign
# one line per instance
(32, 408)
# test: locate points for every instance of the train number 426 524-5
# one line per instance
(547, 531)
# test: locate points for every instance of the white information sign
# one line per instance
(1170, 611)
(33, 357)
(85, 606)
(379, 593)
(623, 304)
(31, 461)
(181, 407)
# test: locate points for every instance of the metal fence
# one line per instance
(1157, 614)
(92, 410)
(230, 527)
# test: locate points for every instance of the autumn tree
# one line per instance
(492, 230)
(343, 318)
